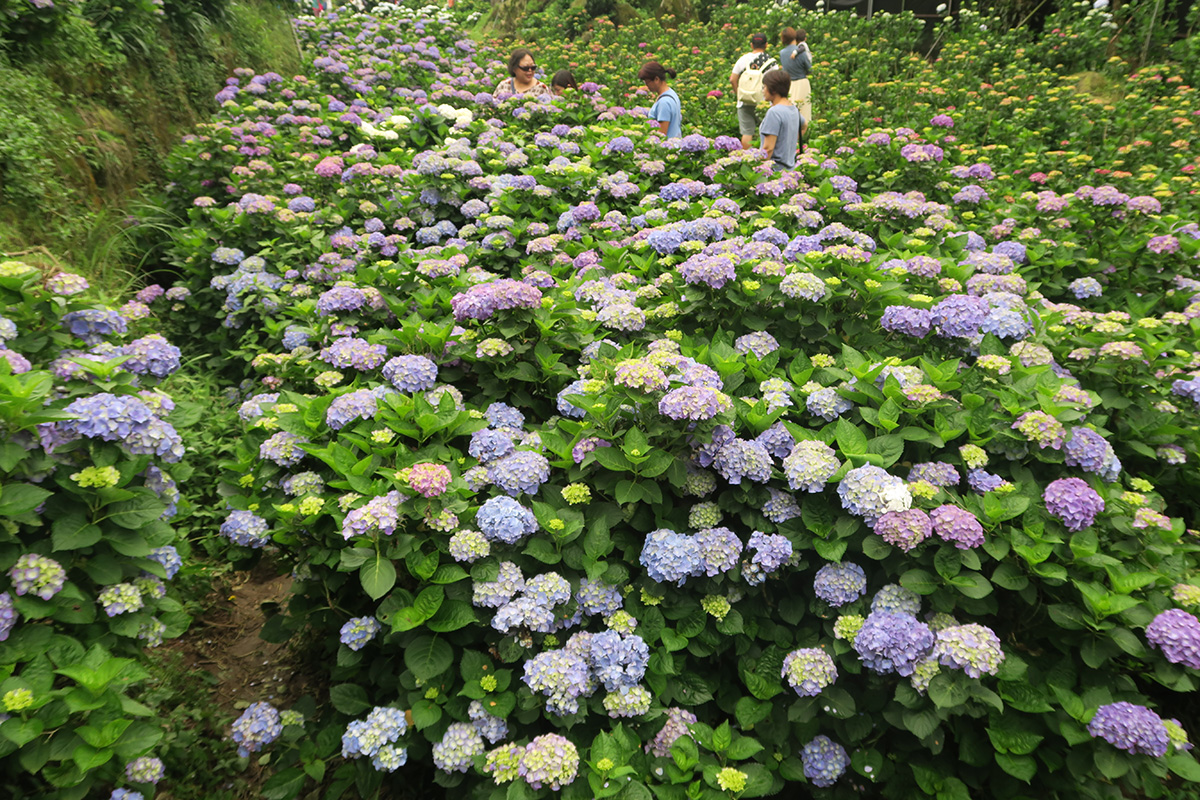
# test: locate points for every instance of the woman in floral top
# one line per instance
(521, 80)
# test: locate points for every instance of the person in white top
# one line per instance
(758, 61)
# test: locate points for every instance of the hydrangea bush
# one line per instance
(614, 465)
(88, 488)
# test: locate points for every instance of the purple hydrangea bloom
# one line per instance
(841, 583)
(489, 444)
(258, 726)
(359, 404)
(827, 404)
(893, 642)
(151, 355)
(959, 315)
(671, 557)
(824, 761)
(694, 403)
(904, 529)
(502, 415)
(146, 769)
(519, 472)
(504, 519)
(8, 615)
(374, 734)
(1130, 727)
(957, 525)
(562, 677)
(939, 473)
(458, 747)
(618, 660)
(719, 550)
(771, 551)
(411, 373)
(93, 324)
(1089, 451)
(246, 528)
(739, 459)
(482, 301)
(915, 322)
(353, 352)
(1074, 502)
(1177, 634)
(378, 515)
(358, 631)
(676, 725)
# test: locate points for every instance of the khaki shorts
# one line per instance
(747, 120)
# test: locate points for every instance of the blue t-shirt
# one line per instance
(797, 68)
(666, 109)
(782, 122)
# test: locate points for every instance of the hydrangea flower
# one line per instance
(246, 528)
(120, 598)
(870, 492)
(1177, 634)
(896, 599)
(671, 557)
(519, 472)
(975, 649)
(381, 727)
(958, 526)
(549, 760)
(904, 529)
(458, 747)
(1073, 502)
(1130, 727)
(8, 615)
(676, 725)
(893, 642)
(145, 769)
(358, 631)
(411, 373)
(809, 670)
(824, 761)
(841, 583)
(258, 726)
(504, 519)
(37, 575)
(810, 465)
(469, 546)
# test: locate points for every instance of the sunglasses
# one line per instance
(530, 68)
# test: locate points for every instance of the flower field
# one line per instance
(613, 466)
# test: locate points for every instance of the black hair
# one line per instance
(778, 82)
(563, 78)
(516, 58)
(653, 69)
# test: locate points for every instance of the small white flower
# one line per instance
(941, 9)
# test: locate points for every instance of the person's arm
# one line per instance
(733, 80)
(663, 126)
(769, 145)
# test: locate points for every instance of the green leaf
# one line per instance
(851, 441)
(743, 747)
(72, 532)
(425, 713)
(138, 740)
(454, 615)
(949, 690)
(1020, 767)
(349, 698)
(21, 498)
(722, 737)
(973, 585)
(137, 512)
(428, 657)
(921, 723)
(286, 784)
(832, 550)
(377, 576)
(1016, 742)
(1184, 766)
(920, 581)
(87, 758)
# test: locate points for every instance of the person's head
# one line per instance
(758, 41)
(521, 64)
(563, 80)
(655, 75)
(776, 84)
(788, 36)
(801, 35)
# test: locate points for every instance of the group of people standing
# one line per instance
(756, 77)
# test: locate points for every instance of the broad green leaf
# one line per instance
(851, 441)
(349, 698)
(377, 576)
(428, 657)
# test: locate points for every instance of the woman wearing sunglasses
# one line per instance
(521, 80)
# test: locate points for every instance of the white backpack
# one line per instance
(750, 82)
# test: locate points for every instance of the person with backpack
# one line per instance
(747, 81)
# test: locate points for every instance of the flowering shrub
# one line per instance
(90, 462)
(606, 465)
